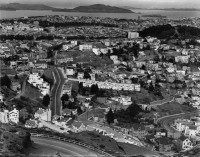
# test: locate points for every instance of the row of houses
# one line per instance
(110, 85)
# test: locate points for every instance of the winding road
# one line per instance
(59, 81)
(165, 121)
(48, 147)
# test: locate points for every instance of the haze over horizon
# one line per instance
(130, 3)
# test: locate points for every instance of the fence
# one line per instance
(72, 141)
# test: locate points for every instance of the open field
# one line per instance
(31, 92)
(85, 57)
(173, 108)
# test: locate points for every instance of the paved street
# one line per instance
(56, 91)
(165, 121)
(48, 147)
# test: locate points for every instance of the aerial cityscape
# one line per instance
(100, 79)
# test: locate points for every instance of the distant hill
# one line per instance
(19, 6)
(101, 8)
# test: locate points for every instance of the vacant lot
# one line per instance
(173, 108)
(86, 57)
(32, 92)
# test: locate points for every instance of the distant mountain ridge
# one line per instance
(101, 8)
(167, 9)
(19, 6)
(92, 8)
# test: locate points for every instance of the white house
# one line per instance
(185, 143)
(14, 116)
(191, 131)
(85, 47)
(96, 51)
(70, 71)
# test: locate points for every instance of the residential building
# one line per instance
(133, 35)
(43, 114)
(4, 116)
(14, 116)
(83, 47)
(67, 88)
(184, 143)
(31, 124)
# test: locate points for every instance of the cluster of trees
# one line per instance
(46, 100)
(168, 31)
(130, 115)
(160, 31)
(188, 31)
(70, 105)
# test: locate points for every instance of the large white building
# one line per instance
(85, 47)
(38, 82)
(133, 35)
(14, 116)
(4, 116)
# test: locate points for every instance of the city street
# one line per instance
(56, 92)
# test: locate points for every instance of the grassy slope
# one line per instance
(174, 108)
(109, 144)
(85, 56)
(31, 92)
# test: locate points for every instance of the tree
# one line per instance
(151, 87)
(79, 110)
(65, 97)
(5, 81)
(46, 100)
(80, 86)
(133, 110)
(94, 89)
(86, 75)
(110, 116)
(16, 77)
(143, 67)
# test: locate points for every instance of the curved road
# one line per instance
(48, 147)
(59, 81)
(165, 121)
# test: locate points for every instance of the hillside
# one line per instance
(171, 32)
(101, 8)
(19, 6)
(15, 141)
(92, 8)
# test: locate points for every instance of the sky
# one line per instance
(130, 3)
